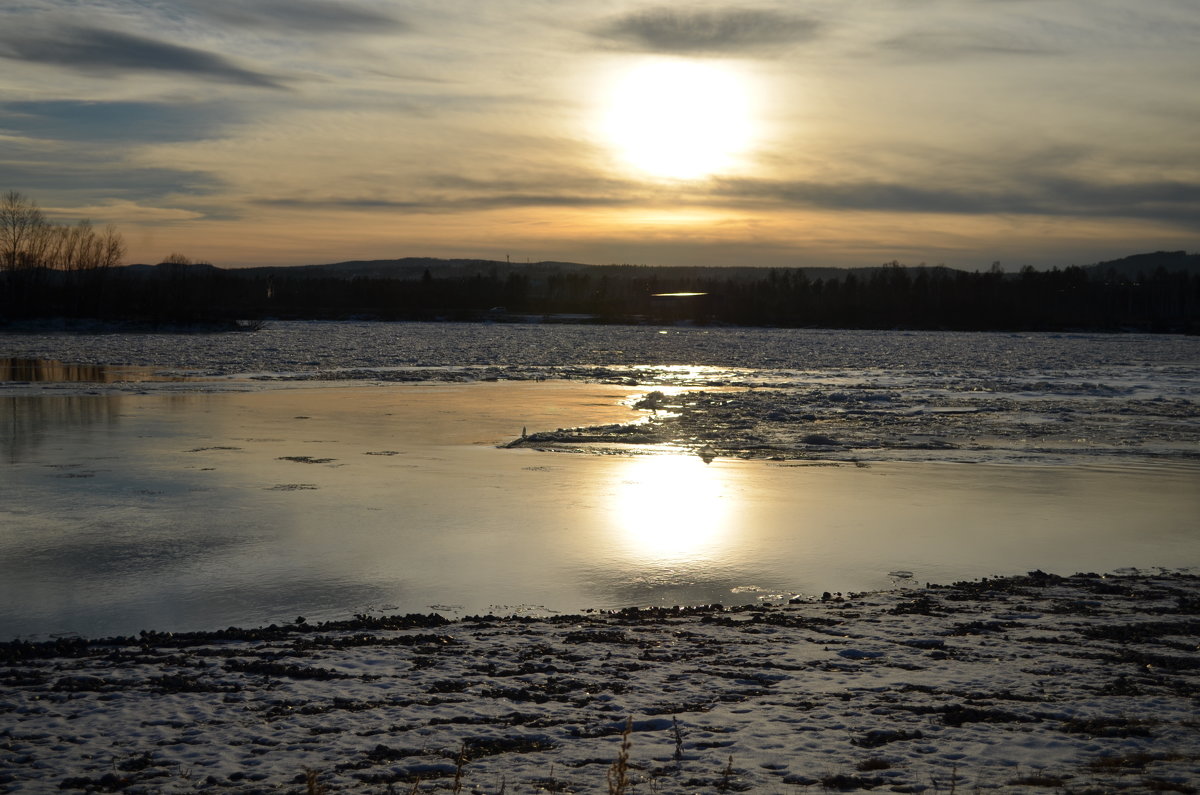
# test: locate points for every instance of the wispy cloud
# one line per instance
(730, 31)
(950, 43)
(90, 50)
(122, 122)
(304, 16)
(440, 205)
(83, 178)
(1176, 202)
(1172, 202)
(873, 196)
(445, 193)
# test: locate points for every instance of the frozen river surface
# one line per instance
(332, 469)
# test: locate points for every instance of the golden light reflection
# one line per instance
(683, 374)
(680, 119)
(672, 508)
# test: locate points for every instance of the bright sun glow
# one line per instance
(680, 119)
(671, 507)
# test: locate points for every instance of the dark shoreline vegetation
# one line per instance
(1079, 684)
(1146, 293)
(1139, 294)
(52, 271)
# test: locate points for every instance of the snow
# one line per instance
(1087, 681)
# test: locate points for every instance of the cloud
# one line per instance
(546, 184)
(1162, 200)
(1173, 202)
(98, 179)
(435, 205)
(445, 193)
(305, 16)
(873, 196)
(694, 32)
(123, 122)
(88, 50)
(133, 212)
(952, 44)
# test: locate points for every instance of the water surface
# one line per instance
(183, 509)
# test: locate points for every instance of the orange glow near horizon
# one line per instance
(651, 235)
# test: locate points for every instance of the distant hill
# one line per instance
(1146, 264)
(403, 268)
(412, 268)
(169, 267)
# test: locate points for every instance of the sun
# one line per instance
(679, 119)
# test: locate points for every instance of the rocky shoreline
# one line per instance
(1037, 683)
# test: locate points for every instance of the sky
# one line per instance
(803, 133)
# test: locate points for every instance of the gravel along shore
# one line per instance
(1037, 683)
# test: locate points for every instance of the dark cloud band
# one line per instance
(72, 173)
(698, 32)
(1176, 203)
(304, 16)
(121, 122)
(1166, 201)
(86, 49)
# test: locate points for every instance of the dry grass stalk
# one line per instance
(618, 774)
(460, 762)
(311, 784)
(726, 777)
(678, 740)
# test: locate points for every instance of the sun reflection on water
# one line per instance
(672, 509)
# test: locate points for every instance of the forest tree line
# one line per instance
(50, 270)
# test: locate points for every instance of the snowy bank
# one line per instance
(1084, 684)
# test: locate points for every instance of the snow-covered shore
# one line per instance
(1037, 683)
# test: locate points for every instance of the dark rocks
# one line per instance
(880, 737)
